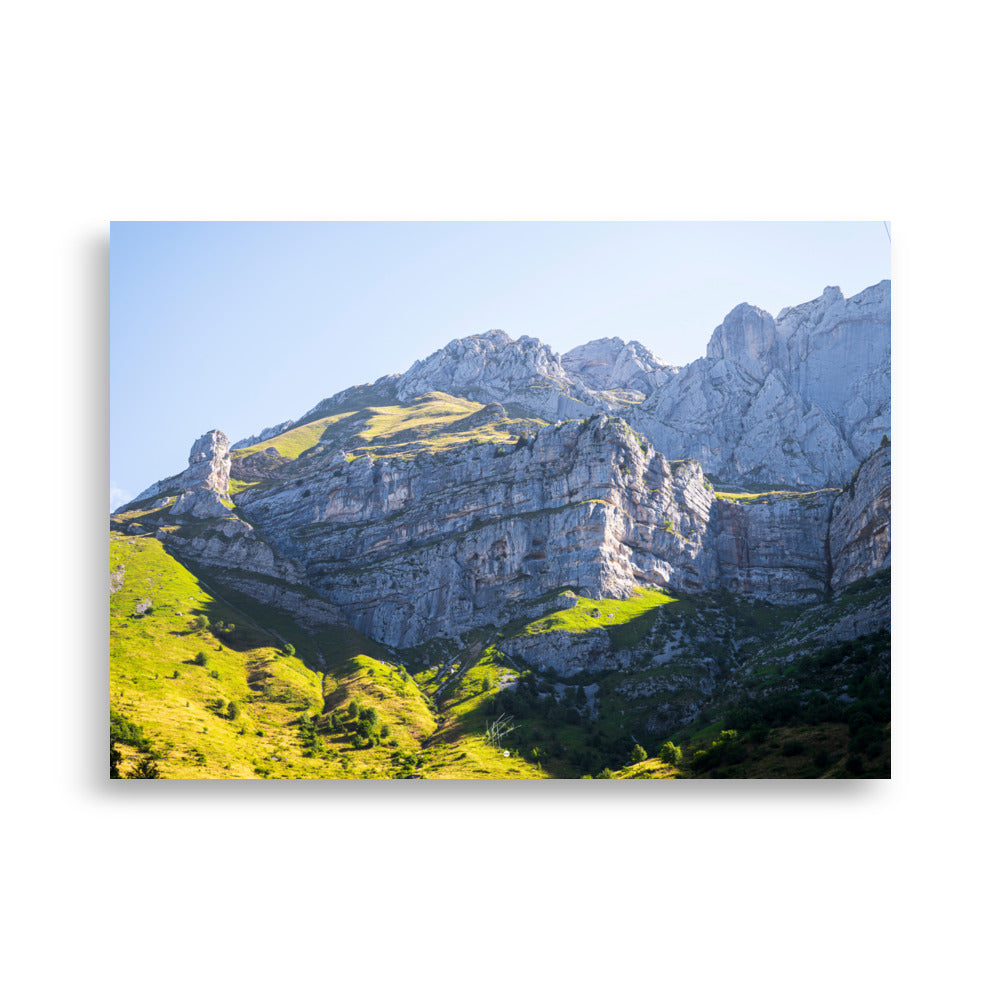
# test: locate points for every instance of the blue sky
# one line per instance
(238, 326)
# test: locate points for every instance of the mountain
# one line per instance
(596, 546)
(799, 400)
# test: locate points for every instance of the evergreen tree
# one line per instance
(145, 768)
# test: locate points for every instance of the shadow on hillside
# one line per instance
(630, 632)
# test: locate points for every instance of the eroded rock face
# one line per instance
(747, 337)
(859, 527)
(493, 368)
(237, 556)
(257, 465)
(491, 364)
(567, 653)
(799, 400)
(438, 545)
(208, 463)
(208, 468)
(774, 550)
(611, 365)
(201, 503)
(785, 439)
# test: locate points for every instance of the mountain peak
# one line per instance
(495, 339)
(746, 336)
(483, 367)
(610, 364)
(212, 444)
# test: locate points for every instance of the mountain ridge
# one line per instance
(599, 518)
(705, 409)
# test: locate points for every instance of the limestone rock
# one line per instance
(859, 527)
(611, 365)
(234, 554)
(209, 462)
(200, 502)
(799, 400)
(493, 368)
(208, 467)
(257, 465)
(775, 549)
(747, 337)
(835, 353)
(787, 440)
(438, 545)
(567, 653)
(699, 413)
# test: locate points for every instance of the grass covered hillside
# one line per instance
(203, 688)
(431, 423)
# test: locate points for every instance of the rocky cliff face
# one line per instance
(746, 337)
(859, 526)
(611, 365)
(416, 548)
(491, 367)
(799, 400)
(775, 549)
(835, 353)
(441, 544)
(208, 468)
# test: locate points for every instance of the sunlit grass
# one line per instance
(292, 443)
(588, 614)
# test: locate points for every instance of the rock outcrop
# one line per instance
(799, 400)
(835, 352)
(441, 544)
(774, 549)
(208, 468)
(611, 365)
(859, 526)
(746, 337)
(493, 368)
(200, 503)
(234, 554)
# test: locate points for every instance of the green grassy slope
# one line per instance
(431, 423)
(620, 618)
(183, 705)
(175, 678)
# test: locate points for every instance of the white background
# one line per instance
(512, 111)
